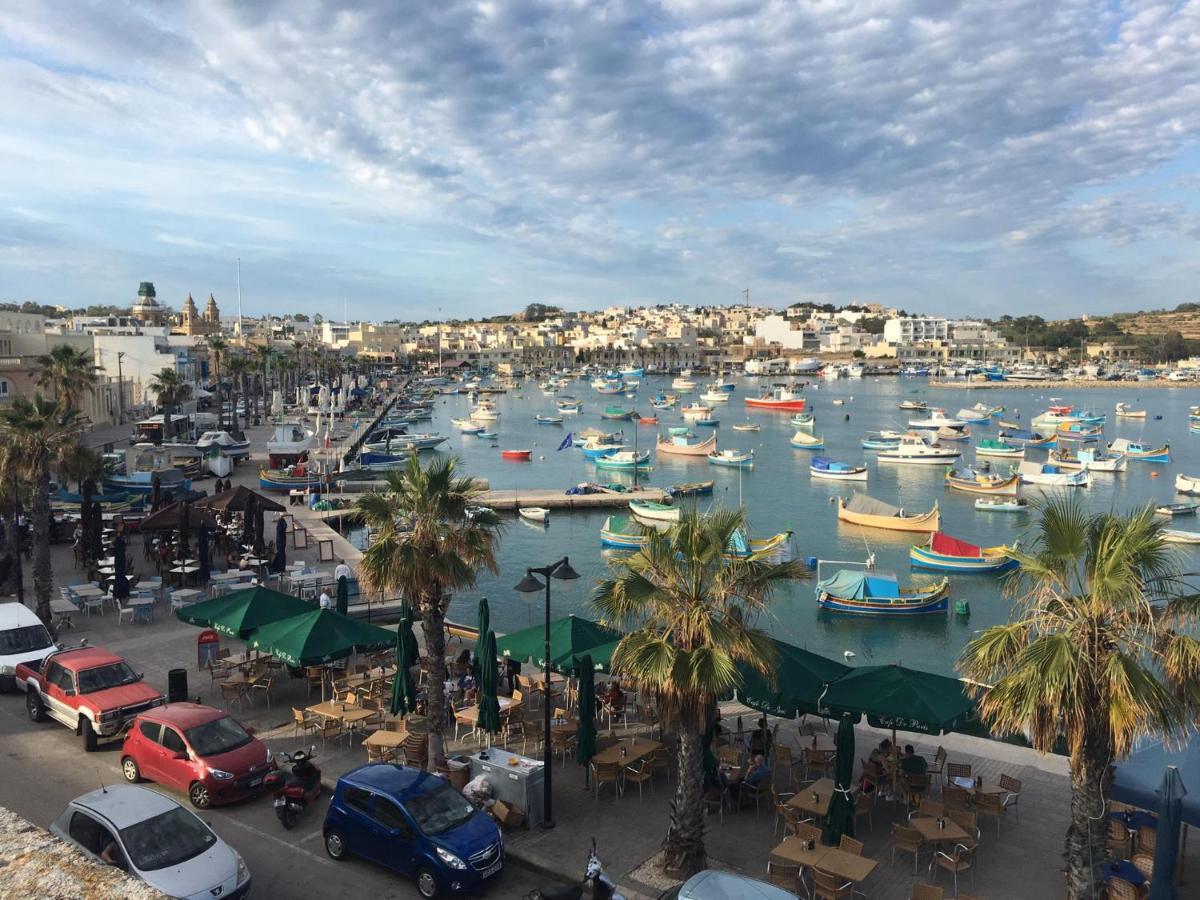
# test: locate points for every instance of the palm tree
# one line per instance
(693, 610)
(237, 366)
(430, 541)
(171, 390)
(217, 346)
(41, 430)
(1095, 655)
(11, 496)
(68, 373)
(263, 355)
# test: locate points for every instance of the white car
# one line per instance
(155, 839)
(712, 884)
(23, 639)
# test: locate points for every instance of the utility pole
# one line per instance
(120, 389)
(439, 340)
(239, 287)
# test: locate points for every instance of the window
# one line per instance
(389, 816)
(3, 387)
(167, 839)
(357, 798)
(173, 741)
(88, 833)
(59, 677)
(150, 731)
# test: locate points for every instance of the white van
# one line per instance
(23, 639)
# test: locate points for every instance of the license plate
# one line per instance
(492, 869)
(255, 782)
(279, 801)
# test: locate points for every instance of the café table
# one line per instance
(86, 590)
(636, 749)
(63, 610)
(184, 596)
(348, 714)
(847, 866)
(235, 660)
(142, 609)
(254, 561)
(803, 800)
(795, 850)
(385, 739)
(471, 713)
(927, 826)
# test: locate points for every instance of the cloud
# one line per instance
(891, 149)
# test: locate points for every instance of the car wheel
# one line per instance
(198, 794)
(335, 845)
(130, 770)
(427, 885)
(88, 735)
(35, 707)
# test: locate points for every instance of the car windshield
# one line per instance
(104, 677)
(166, 840)
(439, 810)
(216, 737)
(24, 640)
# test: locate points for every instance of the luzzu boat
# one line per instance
(973, 416)
(618, 533)
(617, 412)
(973, 481)
(862, 509)
(999, 448)
(1141, 452)
(802, 420)
(691, 488)
(881, 440)
(624, 459)
(879, 595)
(948, 554)
(1052, 476)
(1079, 430)
(655, 512)
(1001, 504)
(595, 448)
(224, 443)
(680, 445)
(679, 431)
(294, 478)
(1028, 439)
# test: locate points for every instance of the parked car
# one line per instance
(416, 823)
(712, 884)
(89, 689)
(155, 839)
(201, 751)
(23, 640)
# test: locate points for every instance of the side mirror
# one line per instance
(181, 755)
(68, 692)
(251, 730)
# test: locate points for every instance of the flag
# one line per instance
(566, 442)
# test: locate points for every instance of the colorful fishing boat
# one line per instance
(655, 512)
(648, 420)
(1079, 431)
(597, 447)
(1028, 439)
(707, 422)
(1140, 452)
(999, 448)
(946, 433)
(779, 398)
(624, 459)
(517, 455)
(617, 412)
(858, 593)
(804, 441)
(696, 410)
(914, 404)
(973, 416)
(294, 478)
(862, 509)
(974, 481)
(802, 420)
(1051, 475)
(679, 431)
(948, 554)
(568, 404)
(735, 458)
(691, 489)
(1001, 504)
(618, 533)
(548, 420)
(831, 470)
(679, 445)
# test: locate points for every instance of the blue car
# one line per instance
(416, 823)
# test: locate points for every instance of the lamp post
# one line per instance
(531, 585)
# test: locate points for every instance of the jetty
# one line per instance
(549, 499)
(1058, 385)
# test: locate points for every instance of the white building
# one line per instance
(912, 329)
(787, 333)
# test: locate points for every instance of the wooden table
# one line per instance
(804, 801)
(471, 713)
(245, 680)
(240, 659)
(988, 788)
(931, 834)
(848, 866)
(386, 740)
(348, 714)
(795, 850)
(365, 678)
(638, 749)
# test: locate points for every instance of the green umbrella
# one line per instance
(342, 602)
(569, 637)
(404, 692)
(317, 637)
(899, 698)
(482, 627)
(585, 731)
(800, 679)
(489, 705)
(841, 808)
(240, 612)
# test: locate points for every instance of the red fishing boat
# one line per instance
(521, 455)
(780, 398)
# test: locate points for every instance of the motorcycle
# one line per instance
(600, 885)
(294, 792)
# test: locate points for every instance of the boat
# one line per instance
(838, 402)
(655, 512)
(534, 513)
(679, 431)
(485, 411)
(1061, 409)
(735, 458)
(488, 435)
(1177, 509)
(633, 372)
(779, 398)
(831, 470)
(679, 445)
(624, 459)
(663, 402)
(1176, 536)
(696, 410)
(1187, 484)
(466, 426)
(1140, 452)
(858, 593)
(1051, 475)
(747, 426)
(918, 449)
(948, 554)
(617, 412)
(991, 411)
(412, 442)
(946, 433)
(224, 443)
(708, 422)
(618, 533)
(609, 386)
(1124, 412)
(975, 481)
(803, 441)
(1079, 431)
(568, 404)
(714, 396)
(936, 419)
(548, 420)
(914, 404)
(683, 384)
(1008, 426)
(881, 440)
(973, 416)
(648, 420)
(999, 448)
(290, 441)
(802, 420)
(1099, 461)
(1028, 439)
(1001, 504)
(690, 488)
(519, 455)
(294, 478)
(862, 509)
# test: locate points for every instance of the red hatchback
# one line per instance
(196, 749)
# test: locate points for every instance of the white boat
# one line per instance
(918, 449)
(466, 426)
(485, 411)
(534, 513)
(913, 404)
(1125, 412)
(714, 396)
(697, 410)
(747, 426)
(683, 384)
(654, 512)
(832, 470)
(1051, 475)
(225, 443)
(936, 419)
(1187, 484)
(743, 459)
(290, 439)
(1001, 504)
(1177, 536)
(854, 371)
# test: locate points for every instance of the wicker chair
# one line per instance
(784, 875)
(303, 722)
(607, 773)
(937, 769)
(1147, 839)
(850, 845)
(1119, 840)
(640, 773)
(1144, 863)
(991, 805)
(960, 858)
(830, 887)
(864, 805)
(906, 840)
(416, 751)
(1013, 786)
(955, 797)
(957, 770)
(927, 892)
(968, 822)
(1120, 889)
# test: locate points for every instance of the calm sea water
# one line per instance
(778, 494)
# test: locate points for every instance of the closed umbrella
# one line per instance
(342, 601)
(411, 648)
(155, 492)
(585, 731)
(260, 546)
(202, 552)
(1166, 841)
(185, 530)
(489, 704)
(404, 691)
(85, 523)
(120, 587)
(483, 625)
(97, 535)
(841, 808)
(248, 521)
(279, 563)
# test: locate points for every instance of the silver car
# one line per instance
(155, 839)
(715, 885)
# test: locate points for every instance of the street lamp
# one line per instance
(531, 585)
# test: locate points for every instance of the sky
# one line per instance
(394, 160)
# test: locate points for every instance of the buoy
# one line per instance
(962, 608)
(846, 418)
(1153, 474)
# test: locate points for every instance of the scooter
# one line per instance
(602, 887)
(293, 793)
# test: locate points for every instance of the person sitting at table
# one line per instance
(326, 601)
(882, 756)
(613, 698)
(912, 763)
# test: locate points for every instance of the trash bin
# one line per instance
(177, 691)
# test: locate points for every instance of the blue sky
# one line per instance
(953, 157)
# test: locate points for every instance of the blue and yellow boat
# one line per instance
(947, 554)
(857, 593)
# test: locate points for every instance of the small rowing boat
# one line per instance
(974, 481)
(617, 412)
(1187, 484)
(535, 513)
(747, 426)
(803, 441)
(654, 512)
(881, 440)
(999, 448)
(1124, 412)
(679, 431)
(548, 420)
(914, 404)
(1140, 452)
(1176, 509)
(802, 420)
(735, 458)
(520, 455)
(1001, 504)
(690, 489)
(831, 470)
(948, 554)
(648, 420)
(1175, 536)
(624, 459)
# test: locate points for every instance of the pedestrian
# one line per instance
(326, 601)
(342, 571)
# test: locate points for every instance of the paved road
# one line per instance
(42, 768)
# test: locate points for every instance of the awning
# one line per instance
(948, 546)
(1137, 779)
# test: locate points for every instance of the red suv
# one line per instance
(196, 749)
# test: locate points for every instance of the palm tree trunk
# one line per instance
(683, 848)
(43, 573)
(1085, 842)
(433, 622)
